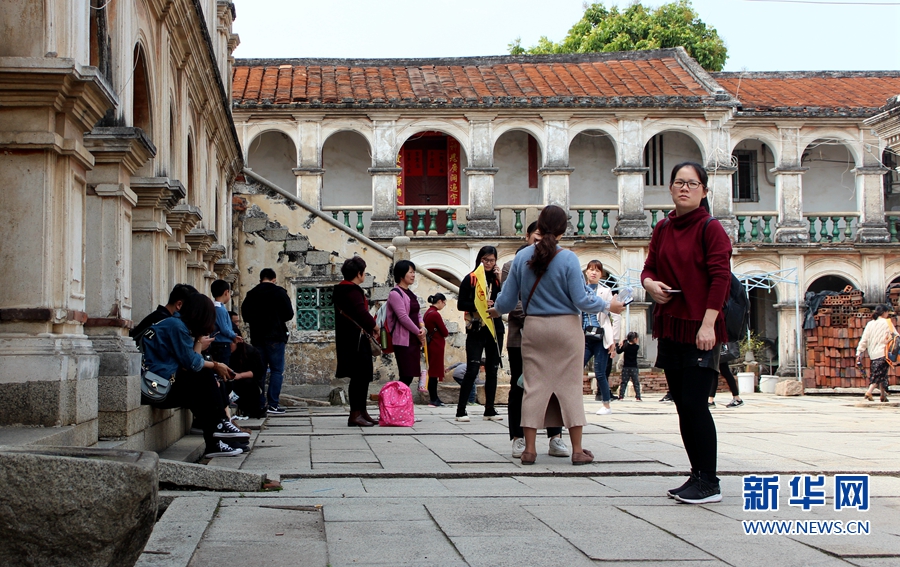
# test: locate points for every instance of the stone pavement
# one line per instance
(449, 494)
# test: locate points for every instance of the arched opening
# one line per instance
(753, 185)
(273, 155)
(663, 152)
(189, 195)
(891, 180)
(592, 183)
(346, 158)
(141, 116)
(829, 186)
(517, 185)
(431, 165)
(446, 275)
(829, 283)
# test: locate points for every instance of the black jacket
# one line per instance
(352, 350)
(266, 309)
(466, 299)
(631, 351)
(162, 312)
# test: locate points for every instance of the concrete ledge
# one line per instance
(187, 475)
(178, 532)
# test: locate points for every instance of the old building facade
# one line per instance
(119, 154)
(457, 153)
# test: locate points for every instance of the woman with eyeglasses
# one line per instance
(688, 274)
(478, 338)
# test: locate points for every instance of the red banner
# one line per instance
(453, 171)
(436, 163)
(413, 162)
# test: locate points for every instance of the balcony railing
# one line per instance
(893, 219)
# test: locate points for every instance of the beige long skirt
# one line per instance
(552, 366)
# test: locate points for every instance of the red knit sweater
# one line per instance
(675, 257)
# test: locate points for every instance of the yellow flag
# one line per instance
(481, 299)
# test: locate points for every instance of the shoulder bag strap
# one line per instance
(536, 282)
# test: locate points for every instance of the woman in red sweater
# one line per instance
(688, 275)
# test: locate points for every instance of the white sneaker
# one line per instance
(558, 448)
(518, 445)
(604, 411)
(462, 418)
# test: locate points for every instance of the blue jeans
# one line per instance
(272, 355)
(594, 348)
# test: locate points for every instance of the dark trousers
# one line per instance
(515, 397)
(432, 388)
(477, 343)
(630, 373)
(358, 391)
(689, 388)
(247, 390)
(725, 371)
(200, 393)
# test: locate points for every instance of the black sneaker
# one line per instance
(226, 430)
(666, 398)
(275, 411)
(735, 404)
(689, 482)
(221, 449)
(701, 492)
(711, 404)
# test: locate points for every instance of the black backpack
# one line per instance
(737, 305)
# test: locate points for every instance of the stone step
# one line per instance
(13, 435)
(188, 449)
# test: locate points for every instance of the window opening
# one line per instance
(653, 158)
(745, 182)
(315, 311)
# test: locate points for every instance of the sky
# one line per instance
(761, 35)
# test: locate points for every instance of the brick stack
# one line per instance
(831, 346)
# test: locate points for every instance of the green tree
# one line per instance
(637, 27)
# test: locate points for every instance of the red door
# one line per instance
(425, 178)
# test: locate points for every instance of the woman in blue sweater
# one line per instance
(549, 282)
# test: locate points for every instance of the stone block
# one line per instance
(275, 234)
(501, 398)
(113, 424)
(318, 257)
(76, 507)
(369, 282)
(452, 327)
(380, 292)
(254, 224)
(789, 388)
(119, 393)
(85, 400)
(187, 475)
(120, 363)
(297, 245)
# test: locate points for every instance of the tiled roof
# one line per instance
(858, 93)
(665, 77)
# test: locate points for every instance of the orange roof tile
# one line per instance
(857, 93)
(642, 78)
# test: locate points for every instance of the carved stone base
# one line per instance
(792, 234)
(482, 227)
(634, 226)
(730, 225)
(385, 228)
(874, 233)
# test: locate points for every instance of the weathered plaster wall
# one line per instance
(593, 158)
(273, 155)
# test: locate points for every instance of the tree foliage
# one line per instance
(635, 28)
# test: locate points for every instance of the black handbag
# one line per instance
(155, 388)
(730, 352)
(596, 332)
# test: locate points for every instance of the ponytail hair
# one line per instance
(432, 299)
(552, 223)
(880, 310)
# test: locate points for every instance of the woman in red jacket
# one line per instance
(437, 332)
(688, 275)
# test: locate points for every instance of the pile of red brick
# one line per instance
(831, 346)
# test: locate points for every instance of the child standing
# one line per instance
(629, 366)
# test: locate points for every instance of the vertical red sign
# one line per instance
(400, 162)
(453, 172)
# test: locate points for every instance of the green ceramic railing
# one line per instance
(348, 214)
(832, 227)
(589, 214)
(423, 221)
(761, 225)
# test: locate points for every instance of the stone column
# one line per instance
(119, 152)
(150, 234)
(787, 333)
(555, 171)
(182, 218)
(721, 175)
(873, 276)
(309, 172)
(872, 227)
(792, 226)
(481, 218)
(201, 240)
(48, 368)
(632, 220)
(384, 172)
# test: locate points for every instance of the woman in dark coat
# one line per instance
(352, 322)
(437, 332)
